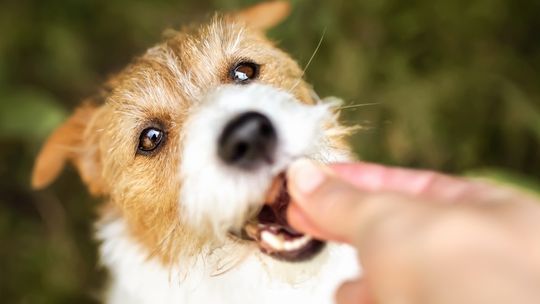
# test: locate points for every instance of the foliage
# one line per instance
(454, 85)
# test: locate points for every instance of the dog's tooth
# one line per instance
(278, 242)
(296, 243)
(273, 240)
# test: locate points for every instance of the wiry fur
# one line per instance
(164, 226)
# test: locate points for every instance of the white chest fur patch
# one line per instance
(135, 279)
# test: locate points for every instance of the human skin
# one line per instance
(422, 237)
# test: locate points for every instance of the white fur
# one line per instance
(221, 195)
(257, 279)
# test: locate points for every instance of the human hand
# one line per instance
(422, 237)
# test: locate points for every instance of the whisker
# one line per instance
(223, 269)
(309, 61)
(358, 105)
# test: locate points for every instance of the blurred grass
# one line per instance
(456, 87)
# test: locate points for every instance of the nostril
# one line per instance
(247, 141)
(267, 130)
(240, 151)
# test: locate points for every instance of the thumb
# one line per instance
(323, 205)
(327, 207)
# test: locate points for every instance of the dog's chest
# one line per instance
(257, 279)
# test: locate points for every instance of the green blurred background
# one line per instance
(452, 85)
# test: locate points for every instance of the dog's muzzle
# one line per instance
(248, 142)
(237, 145)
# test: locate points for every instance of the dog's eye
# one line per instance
(244, 72)
(150, 139)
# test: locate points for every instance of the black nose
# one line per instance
(248, 141)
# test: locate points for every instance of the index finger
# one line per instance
(427, 184)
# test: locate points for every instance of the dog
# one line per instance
(188, 146)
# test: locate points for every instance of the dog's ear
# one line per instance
(73, 141)
(265, 15)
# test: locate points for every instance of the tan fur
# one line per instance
(164, 85)
(71, 142)
(265, 15)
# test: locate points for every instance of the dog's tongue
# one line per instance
(273, 215)
(276, 203)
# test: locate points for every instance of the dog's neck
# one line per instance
(227, 274)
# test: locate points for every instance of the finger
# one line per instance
(327, 206)
(298, 219)
(426, 184)
(353, 292)
(332, 208)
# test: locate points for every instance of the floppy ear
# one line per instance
(73, 141)
(265, 15)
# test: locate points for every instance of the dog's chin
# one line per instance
(271, 232)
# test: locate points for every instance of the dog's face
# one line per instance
(191, 140)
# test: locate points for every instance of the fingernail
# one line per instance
(306, 175)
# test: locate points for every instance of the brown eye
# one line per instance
(244, 72)
(149, 140)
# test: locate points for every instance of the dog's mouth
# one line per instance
(272, 233)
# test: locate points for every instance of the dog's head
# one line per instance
(190, 141)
